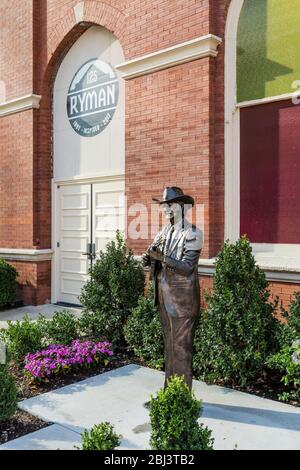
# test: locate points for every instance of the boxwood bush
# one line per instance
(290, 330)
(101, 437)
(22, 337)
(63, 327)
(286, 361)
(143, 332)
(117, 281)
(8, 394)
(8, 284)
(237, 330)
(174, 415)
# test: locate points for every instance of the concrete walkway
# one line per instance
(238, 420)
(33, 312)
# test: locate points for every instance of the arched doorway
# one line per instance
(88, 158)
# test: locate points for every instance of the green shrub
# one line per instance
(8, 284)
(143, 332)
(174, 417)
(8, 394)
(290, 330)
(287, 361)
(293, 318)
(117, 281)
(63, 327)
(22, 337)
(91, 324)
(238, 330)
(100, 437)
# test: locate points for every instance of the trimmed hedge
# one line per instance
(238, 329)
(8, 284)
(143, 332)
(101, 437)
(116, 284)
(28, 336)
(63, 327)
(174, 415)
(8, 394)
(22, 337)
(287, 359)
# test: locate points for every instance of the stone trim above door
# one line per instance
(20, 104)
(203, 46)
(23, 254)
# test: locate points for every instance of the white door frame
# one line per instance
(232, 126)
(55, 213)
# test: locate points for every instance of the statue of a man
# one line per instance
(173, 257)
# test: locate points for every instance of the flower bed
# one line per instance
(58, 358)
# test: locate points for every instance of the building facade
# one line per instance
(105, 103)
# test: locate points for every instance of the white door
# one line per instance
(89, 215)
(108, 212)
(75, 235)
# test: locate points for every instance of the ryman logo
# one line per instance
(92, 98)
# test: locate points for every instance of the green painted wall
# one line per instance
(268, 48)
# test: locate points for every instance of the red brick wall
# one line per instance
(284, 290)
(168, 138)
(34, 281)
(16, 183)
(16, 39)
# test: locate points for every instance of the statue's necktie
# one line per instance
(169, 240)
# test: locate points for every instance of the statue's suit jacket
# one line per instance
(178, 273)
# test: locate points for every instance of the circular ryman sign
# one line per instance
(92, 98)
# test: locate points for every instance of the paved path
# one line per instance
(33, 311)
(238, 420)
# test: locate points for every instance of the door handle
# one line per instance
(93, 254)
(88, 250)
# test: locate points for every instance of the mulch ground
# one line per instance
(268, 387)
(20, 424)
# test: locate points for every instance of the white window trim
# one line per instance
(273, 257)
(268, 99)
(206, 268)
(278, 273)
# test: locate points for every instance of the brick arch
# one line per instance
(64, 35)
(94, 13)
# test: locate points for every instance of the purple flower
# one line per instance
(58, 357)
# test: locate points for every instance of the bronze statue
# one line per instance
(173, 257)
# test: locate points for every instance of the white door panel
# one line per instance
(75, 234)
(108, 212)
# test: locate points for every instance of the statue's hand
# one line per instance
(145, 259)
(156, 254)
